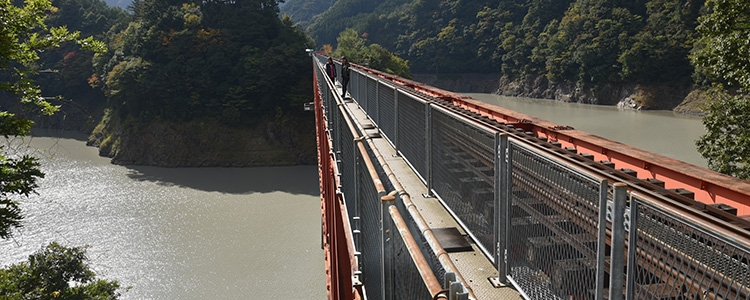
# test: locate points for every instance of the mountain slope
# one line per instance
(303, 12)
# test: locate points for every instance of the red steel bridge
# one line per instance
(427, 194)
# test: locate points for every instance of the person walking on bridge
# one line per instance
(344, 76)
(331, 69)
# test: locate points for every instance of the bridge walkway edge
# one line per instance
(473, 265)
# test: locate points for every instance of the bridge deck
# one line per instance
(558, 207)
(473, 265)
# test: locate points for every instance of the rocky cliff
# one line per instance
(625, 96)
(201, 144)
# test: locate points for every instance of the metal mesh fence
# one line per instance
(372, 99)
(463, 170)
(354, 85)
(411, 132)
(362, 92)
(386, 110)
(371, 242)
(553, 232)
(678, 261)
(552, 215)
(408, 282)
(348, 165)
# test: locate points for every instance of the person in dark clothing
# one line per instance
(331, 69)
(344, 76)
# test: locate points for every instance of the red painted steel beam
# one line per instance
(337, 239)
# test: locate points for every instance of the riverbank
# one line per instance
(204, 144)
(681, 99)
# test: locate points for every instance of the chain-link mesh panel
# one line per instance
(354, 85)
(408, 282)
(362, 99)
(338, 71)
(463, 174)
(323, 87)
(348, 163)
(372, 99)
(386, 111)
(371, 245)
(553, 233)
(411, 132)
(678, 261)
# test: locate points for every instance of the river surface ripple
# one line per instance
(663, 132)
(176, 233)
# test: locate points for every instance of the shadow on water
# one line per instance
(301, 180)
(294, 179)
(59, 134)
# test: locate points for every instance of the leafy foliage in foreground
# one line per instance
(23, 37)
(722, 56)
(55, 272)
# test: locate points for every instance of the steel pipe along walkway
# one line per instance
(427, 194)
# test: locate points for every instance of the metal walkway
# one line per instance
(428, 197)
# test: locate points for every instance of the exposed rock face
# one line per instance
(624, 96)
(198, 144)
(693, 103)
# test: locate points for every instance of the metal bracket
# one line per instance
(495, 281)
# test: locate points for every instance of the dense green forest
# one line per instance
(583, 43)
(224, 60)
(305, 12)
(210, 69)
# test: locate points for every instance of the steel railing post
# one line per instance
(632, 248)
(387, 253)
(617, 257)
(457, 291)
(395, 120)
(428, 147)
(601, 245)
(449, 278)
(502, 202)
(355, 197)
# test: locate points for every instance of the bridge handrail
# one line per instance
(713, 179)
(358, 131)
(709, 186)
(330, 203)
(688, 212)
(425, 229)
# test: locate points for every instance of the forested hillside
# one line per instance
(586, 45)
(183, 83)
(305, 12)
(229, 73)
